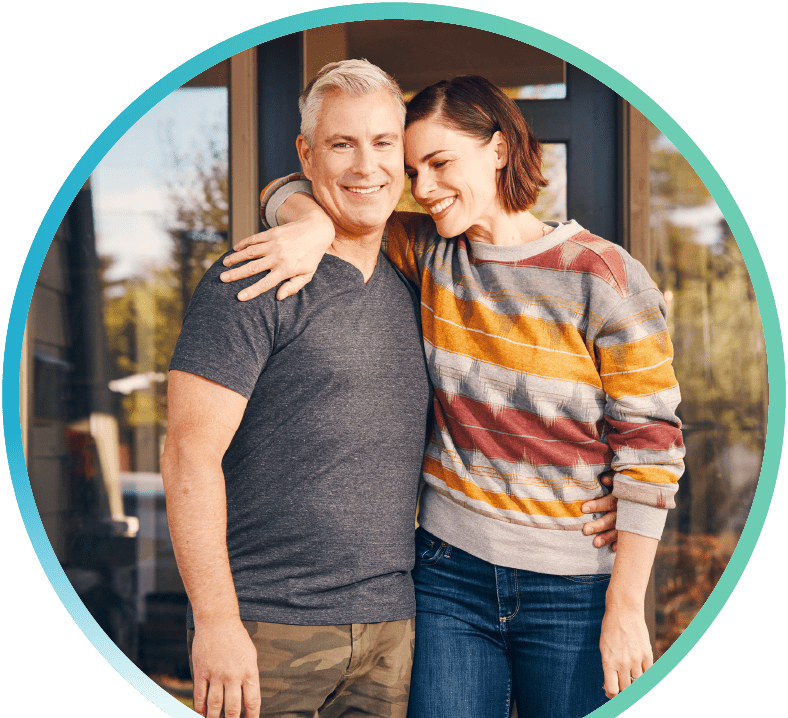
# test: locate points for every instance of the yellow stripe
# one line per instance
(638, 354)
(641, 383)
(650, 474)
(501, 500)
(507, 354)
(400, 247)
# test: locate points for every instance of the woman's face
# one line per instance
(454, 176)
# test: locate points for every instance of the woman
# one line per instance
(551, 363)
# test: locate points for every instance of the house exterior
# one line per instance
(100, 327)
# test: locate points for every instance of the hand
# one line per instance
(291, 252)
(225, 671)
(606, 525)
(625, 647)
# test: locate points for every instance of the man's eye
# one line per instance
(340, 145)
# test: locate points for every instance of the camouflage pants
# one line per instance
(362, 669)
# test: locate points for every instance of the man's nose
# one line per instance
(364, 161)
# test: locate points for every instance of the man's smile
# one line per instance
(365, 190)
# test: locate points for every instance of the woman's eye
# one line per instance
(440, 164)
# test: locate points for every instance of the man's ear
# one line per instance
(305, 155)
(501, 150)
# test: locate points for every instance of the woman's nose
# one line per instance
(421, 186)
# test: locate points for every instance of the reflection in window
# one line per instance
(720, 363)
(106, 313)
(552, 199)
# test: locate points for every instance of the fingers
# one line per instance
(215, 699)
(648, 661)
(611, 683)
(606, 479)
(617, 680)
(269, 281)
(232, 700)
(605, 526)
(293, 286)
(200, 694)
(252, 700)
(606, 538)
(604, 503)
(250, 241)
(247, 270)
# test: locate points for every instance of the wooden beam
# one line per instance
(636, 186)
(244, 192)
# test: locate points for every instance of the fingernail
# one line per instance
(223, 276)
(226, 261)
(586, 508)
(242, 296)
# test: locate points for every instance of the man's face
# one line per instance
(356, 163)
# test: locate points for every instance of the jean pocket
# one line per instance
(588, 578)
(429, 548)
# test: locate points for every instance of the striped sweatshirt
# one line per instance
(551, 364)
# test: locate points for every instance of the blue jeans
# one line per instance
(486, 635)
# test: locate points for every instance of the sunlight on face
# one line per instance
(454, 176)
(355, 163)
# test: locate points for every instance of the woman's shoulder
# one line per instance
(410, 232)
(605, 260)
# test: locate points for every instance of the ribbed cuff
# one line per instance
(641, 519)
(271, 203)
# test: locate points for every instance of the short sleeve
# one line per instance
(223, 339)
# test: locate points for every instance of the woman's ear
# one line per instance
(305, 155)
(501, 150)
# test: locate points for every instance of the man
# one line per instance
(295, 439)
(294, 447)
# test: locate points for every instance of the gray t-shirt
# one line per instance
(322, 474)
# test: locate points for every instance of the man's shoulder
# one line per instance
(212, 293)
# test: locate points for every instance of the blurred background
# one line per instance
(183, 183)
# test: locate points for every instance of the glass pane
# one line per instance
(552, 199)
(418, 53)
(107, 312)
(720, 363)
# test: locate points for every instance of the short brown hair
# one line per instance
(474, 106)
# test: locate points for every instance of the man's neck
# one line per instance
(359, 250)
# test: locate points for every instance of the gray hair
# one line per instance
(357, 77)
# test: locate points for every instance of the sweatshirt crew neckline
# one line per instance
(513, 253)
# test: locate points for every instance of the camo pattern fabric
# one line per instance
(362, 669)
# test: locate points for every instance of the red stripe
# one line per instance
(652, 436)
(595, 256)
(512, 435)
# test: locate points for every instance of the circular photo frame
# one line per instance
(398, 11)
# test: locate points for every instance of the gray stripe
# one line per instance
(564, 553)
(495, 385)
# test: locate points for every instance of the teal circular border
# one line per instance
(398, 11)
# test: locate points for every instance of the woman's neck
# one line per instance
(508, 229)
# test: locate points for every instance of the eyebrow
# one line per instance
(426, 158)
(349, 138)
